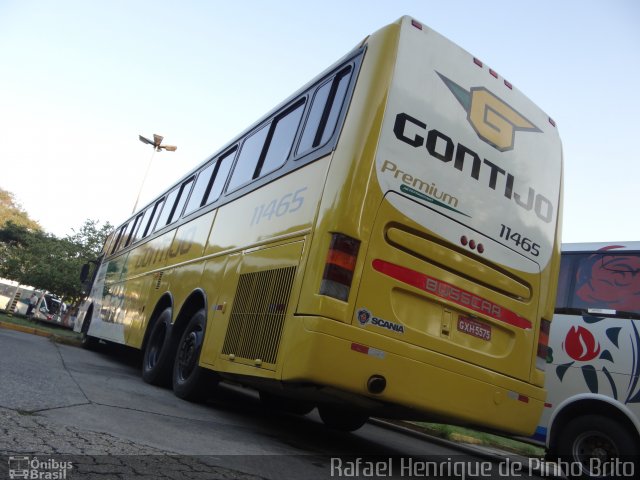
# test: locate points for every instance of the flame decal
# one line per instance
(580, 344)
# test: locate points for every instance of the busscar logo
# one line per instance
(495, 122)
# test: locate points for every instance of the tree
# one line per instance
(49, 263)
(90, 238)
(11, 211)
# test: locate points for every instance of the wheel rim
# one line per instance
(594, 445)
(188, 353)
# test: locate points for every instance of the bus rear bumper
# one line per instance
(417, 382)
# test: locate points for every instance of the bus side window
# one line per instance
(134, 233)
(325, 110)
(248, 158)
(107, 245)
(196, 200)
(116, 244)
(130, 238)
(142, 224)
(608, 281)
(283, 132)
(163, 219)
(185, 189)
(565, 280)
(154, 215)
(220, 176)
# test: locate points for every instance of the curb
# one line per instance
(492, 454)
(461, 444)
(40, 333)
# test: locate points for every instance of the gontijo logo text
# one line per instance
(415, 133)
(494, 121)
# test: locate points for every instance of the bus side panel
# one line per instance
(592, 357)
(265, 223)
(147, 284)
(248, 321)
(276, 210)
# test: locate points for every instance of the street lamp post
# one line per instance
(156, 143)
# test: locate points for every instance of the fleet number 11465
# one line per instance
(288, 203)
(520, 240)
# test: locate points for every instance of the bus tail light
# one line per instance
(543, 344)
(339, 267)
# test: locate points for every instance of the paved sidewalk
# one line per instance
(52, 448)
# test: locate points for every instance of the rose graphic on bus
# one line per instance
(580, 344)
(610, 281)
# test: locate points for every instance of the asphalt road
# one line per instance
(62, 404)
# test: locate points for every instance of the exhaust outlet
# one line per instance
(376, 384)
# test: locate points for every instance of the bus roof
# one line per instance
(595, 246)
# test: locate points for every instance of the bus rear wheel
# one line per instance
(592, 441)
(341, 419)
(159, 351)
(190, 381)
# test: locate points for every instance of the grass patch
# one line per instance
(466, 435)
(55, 331)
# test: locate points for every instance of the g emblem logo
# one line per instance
(494, 121)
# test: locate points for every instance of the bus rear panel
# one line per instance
(457, 241)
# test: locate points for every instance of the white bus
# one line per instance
(592, 412)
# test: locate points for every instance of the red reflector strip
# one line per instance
(416, 24)
(374, 352)
(451, 293)
(493, 73)
(356, 347)
(548, 405)
(477, 62)
(518, 396)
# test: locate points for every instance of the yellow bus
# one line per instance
(384, 242)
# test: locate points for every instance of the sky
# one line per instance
(80, 80)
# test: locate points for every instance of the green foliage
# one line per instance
(11, 211)
(46, 262)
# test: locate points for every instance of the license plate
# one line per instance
(473, 327)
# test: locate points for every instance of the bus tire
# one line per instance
(283, 404)
(595, 436)
(341, 419)
(87, 341)
(159, 351)
(190, 381)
